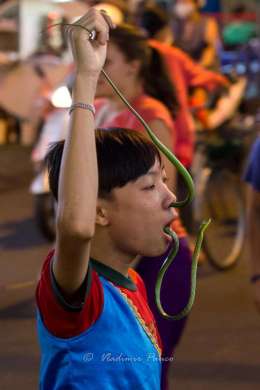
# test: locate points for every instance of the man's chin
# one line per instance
(157, 253)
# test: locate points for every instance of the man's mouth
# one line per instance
(167, 230)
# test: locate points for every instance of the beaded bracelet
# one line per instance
(84, 106)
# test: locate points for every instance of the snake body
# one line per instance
(190, 187)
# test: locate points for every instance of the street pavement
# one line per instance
(220, 348)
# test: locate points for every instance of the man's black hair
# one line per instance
(123, 155)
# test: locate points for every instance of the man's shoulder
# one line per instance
(47, 261)
(60, 317)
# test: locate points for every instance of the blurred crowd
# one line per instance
(223, 43)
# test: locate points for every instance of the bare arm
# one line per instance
(78, 184)
(212, 38)
(253, 237)
(208, 57)
(165, 136)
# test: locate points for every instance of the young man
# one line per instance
(95, 328)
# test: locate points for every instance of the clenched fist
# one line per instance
(90, 54)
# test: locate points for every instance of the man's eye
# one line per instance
(150, 187)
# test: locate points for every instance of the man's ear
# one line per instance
(101, 216)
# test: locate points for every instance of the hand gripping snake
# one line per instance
(190, 186)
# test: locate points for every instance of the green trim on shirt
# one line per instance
(113, 275)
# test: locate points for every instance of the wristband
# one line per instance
(84, 106)
(255, 278)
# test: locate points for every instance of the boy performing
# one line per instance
(95, 328)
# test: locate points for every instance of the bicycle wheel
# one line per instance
(223, 203)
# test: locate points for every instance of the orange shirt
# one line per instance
(149, 108)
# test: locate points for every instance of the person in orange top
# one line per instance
(184, 74)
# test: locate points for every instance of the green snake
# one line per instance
(190, 186)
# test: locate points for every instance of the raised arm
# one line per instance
(78, 184)
(213, 40)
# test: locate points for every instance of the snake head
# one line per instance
(204, 225)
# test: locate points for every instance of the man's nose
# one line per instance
(170, 198)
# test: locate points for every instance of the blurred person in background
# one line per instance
(195, 33)
(132, 65)
(184, 74)
(156, 21)
(252, 178)
(134, 6)
(122, 11)
(134, 68)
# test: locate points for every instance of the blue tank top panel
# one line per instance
(114, 353)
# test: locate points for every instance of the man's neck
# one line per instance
(102, 252)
